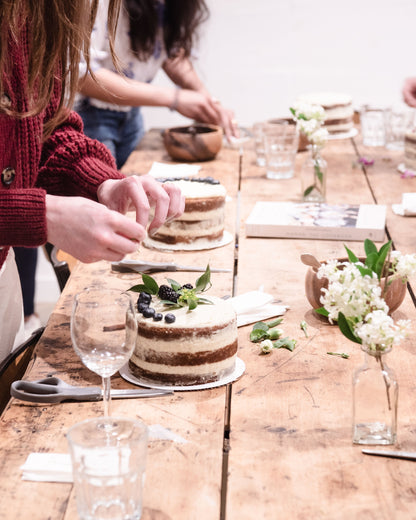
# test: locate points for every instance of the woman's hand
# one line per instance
(140, 193)
(409, 92)
(90, 231)
(206, 109)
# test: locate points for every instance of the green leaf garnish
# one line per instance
(287, 343)
(174, 284)
(150, 284)
(204, 281)
(341, 354)
(346, 329)
(273, 323)
(260, 325)
(138, 288)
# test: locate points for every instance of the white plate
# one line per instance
(238, 372)
(198, 245)
(343, 135)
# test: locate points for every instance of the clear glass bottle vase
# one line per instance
(313, 176)
(375, 395)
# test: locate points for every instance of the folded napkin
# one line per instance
(255, 306)
(408, 206)
(57, 467)
(47, 467)
(177, 171)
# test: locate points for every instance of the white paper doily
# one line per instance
(198, 245)
(237, 372)
(343, 135)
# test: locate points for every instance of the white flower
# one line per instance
(403, 266)
(266, 346)
(380, 329)
(349, 292)
(307, 111)
(308, 127)
(319, 137)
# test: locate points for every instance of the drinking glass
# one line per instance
(281, 140)
(103, 332)
(109, 462)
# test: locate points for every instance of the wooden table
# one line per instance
(276, 443)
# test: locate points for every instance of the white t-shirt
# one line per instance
(131, 66)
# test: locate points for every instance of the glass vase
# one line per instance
(375, 394)
(313, 176)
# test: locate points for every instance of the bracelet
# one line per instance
(175, 102)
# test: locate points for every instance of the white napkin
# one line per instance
(57, 467)
(255, 306)
(408, 206)
(47, 467)
(177, 171)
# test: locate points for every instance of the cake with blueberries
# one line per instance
(183, 338)
(204, 215)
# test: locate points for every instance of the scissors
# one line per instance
(54, 390)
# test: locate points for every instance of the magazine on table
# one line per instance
(317, 221)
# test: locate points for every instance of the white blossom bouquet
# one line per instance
(309, 120)
(354, 297)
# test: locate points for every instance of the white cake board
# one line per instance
(238, 372)
(198, 245)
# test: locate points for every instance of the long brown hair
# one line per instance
(59, 31)
(180, 23)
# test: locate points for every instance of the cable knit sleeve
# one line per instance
(73, 164)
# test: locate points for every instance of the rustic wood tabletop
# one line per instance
(277, 442)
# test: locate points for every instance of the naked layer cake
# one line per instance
(410, 150)
(194, 347)
(338, 108)
(204, 215)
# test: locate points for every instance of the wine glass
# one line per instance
(103, 332)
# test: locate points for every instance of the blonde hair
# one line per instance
(58, 32)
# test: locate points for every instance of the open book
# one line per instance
(317, 220)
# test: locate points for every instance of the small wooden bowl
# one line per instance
(394, 296)
(193, 143)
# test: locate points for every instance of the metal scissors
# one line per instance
(54, 390)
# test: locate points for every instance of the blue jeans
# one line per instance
(119, 131)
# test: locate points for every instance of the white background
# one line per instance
(256, 56)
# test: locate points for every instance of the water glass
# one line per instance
(397, 123)
(108, 462)
(281, 141)
(258, 134)
(372, 121)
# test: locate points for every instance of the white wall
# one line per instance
(257, 56)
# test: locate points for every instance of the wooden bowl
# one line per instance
(394, 296)
(193, 143)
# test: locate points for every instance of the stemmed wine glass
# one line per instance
(103, 332)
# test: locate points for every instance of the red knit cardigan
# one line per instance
(68, 163)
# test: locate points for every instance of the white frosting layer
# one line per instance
(200, 370)
(197, 190)
(198, 338)
(326, 99)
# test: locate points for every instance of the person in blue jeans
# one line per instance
(151, 34)
(26, 261)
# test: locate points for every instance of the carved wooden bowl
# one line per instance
(193, 143)
(394, 296)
